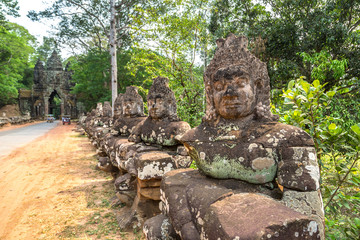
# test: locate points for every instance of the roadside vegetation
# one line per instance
(312, 50)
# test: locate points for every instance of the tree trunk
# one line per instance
(113, 54)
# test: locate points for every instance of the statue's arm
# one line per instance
(298, 173)
(135, 135)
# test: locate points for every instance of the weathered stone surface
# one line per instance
(251, 154)
(124, 156)
(186, 194)
(254, 216)
(240, 139)
(153, 165)
(301, 161)
(130, 112)
(125, 182)
(105, 165)
(149, 183)
(107, 109)
(14, 120)
(50, 81)
(162, 125)
(126, 197)
(165, 232)
(150, 193)
(160, 132)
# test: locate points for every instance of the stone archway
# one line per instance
(51, 82)
(55, 103)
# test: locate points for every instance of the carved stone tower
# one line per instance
(50, 81)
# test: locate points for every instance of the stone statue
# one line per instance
(129, 112)
(118, 105)
(163, 124)
(154, 150)
(274, 164)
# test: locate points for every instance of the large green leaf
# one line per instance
(356, 129)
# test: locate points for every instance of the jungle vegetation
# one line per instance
(311, 47)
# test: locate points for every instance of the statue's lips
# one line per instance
(233, 104)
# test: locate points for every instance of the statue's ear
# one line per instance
(220, 42)
(259, 83)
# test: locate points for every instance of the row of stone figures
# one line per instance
(256, 178)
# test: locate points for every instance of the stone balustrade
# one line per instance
(257, 178)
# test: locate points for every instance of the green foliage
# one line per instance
(8, 7)
(82, 23)
(341, 185)
(323, 65)
(177, 37)
(307, 105)
(85, 24)
(291, 26)
(45, 50)
(16, 47)
(92, 77)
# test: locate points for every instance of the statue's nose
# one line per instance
(229, 90)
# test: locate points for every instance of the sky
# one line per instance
(35, 28)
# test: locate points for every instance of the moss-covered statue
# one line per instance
(129, 112)
(163, 124)
(275, 193)
(152, 151)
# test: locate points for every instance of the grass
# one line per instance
(90, 208)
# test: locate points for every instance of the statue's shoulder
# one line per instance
(275, 134)
(180, 127)
(200, 133)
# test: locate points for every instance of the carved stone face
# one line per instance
(131, 108)
(233, 91)
(157, 108)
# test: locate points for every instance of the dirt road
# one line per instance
(49, 189)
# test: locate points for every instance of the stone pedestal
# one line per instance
(198, 207)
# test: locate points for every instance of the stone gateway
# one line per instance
(50, 81)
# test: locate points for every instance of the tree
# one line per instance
(16, 47)
(293, 26)
(8, 7)
(87, 25)
(92, 71)
(112, 40)
(171, 45)
(45, 50)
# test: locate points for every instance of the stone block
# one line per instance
(148, 183)
(150, 193)
(254, 216)
(153, 165)
(165, 232)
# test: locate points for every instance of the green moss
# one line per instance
(223, 167)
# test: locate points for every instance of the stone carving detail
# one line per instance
(245, 155)
(129, 111)
(162, 125)
(155, 152)
(50, 81)
(139, 162)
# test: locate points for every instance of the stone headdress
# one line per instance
(160, 89)
(132, 94)
(118, 111)
(99, 109)
(233, 51)
(107, 110)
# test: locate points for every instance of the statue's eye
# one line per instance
(218, 85)
(241, 82)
